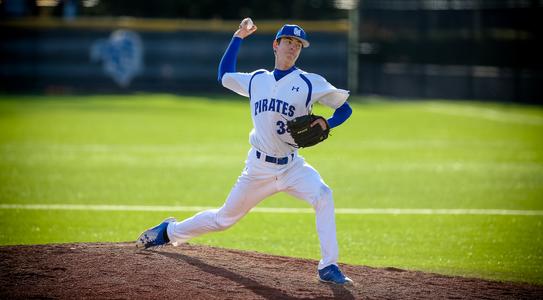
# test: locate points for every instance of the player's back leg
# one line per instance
(305, 183)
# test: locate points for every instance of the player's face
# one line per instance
(287, 50)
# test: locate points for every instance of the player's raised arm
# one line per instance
(228, 61)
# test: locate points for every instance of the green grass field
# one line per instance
(188, 151)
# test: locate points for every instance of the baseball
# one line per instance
(249, 23)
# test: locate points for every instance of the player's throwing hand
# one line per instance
(246, 28)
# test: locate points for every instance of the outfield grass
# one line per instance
(169, 150)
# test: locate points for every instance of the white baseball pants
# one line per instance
(261, 179)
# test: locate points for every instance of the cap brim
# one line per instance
(305, 43)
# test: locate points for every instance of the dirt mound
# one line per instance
(119, 271)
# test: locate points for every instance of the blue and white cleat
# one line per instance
(332, 274)
(155, 237)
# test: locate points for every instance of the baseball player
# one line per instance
(273, 164)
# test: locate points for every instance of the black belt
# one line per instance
(274, 160)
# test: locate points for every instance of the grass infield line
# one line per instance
(485, 113)
(346, 211)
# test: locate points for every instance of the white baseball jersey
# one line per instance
(274, 102)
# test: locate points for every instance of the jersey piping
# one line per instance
(251, 80)
(310, 88)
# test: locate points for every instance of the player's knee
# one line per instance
(326, 194)
(324, 197)
(223, 223)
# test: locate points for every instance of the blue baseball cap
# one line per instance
(293, 31)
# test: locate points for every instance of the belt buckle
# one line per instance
(271, 159)
(282, 160)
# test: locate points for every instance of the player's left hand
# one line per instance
(246, 28)
(308, 130)
(320, 122)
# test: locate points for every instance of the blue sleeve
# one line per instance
(228, 61)
(341, 114)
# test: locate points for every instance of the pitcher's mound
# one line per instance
(120, 271)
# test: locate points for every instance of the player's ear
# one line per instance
(275, 45)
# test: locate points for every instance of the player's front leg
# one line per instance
(245, 195)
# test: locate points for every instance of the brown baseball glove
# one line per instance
(304, 134)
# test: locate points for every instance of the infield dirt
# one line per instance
(120, 271)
